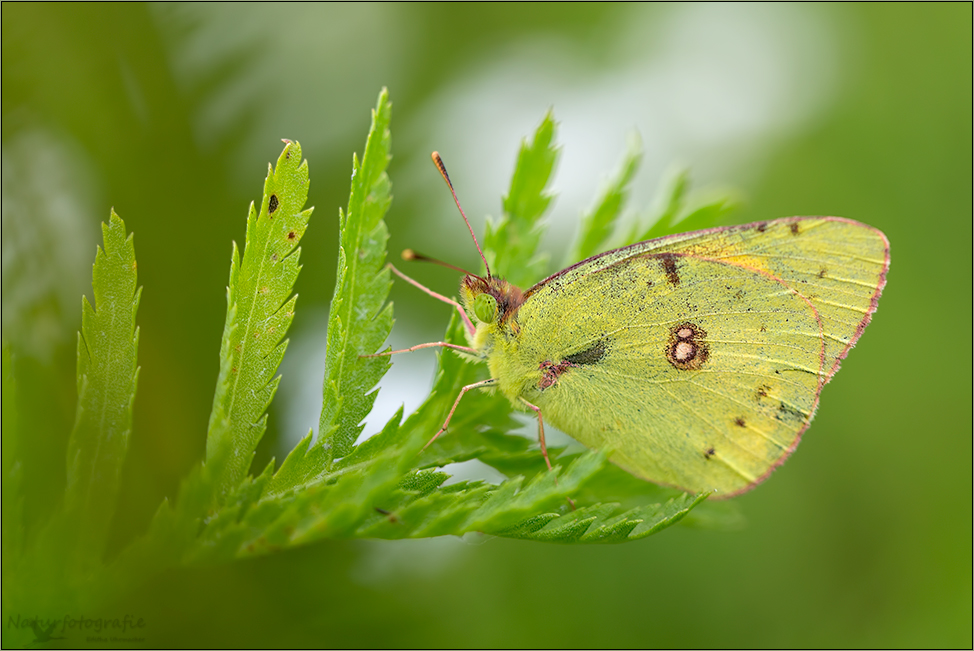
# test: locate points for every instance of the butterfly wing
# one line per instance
(698, 359)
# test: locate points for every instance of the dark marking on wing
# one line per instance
(709, 452)
(795, 228)
(669, 268)
(591, 355)
(687, 348)
(740, 422)
(789, 412)
(821, 274)
(762, 391)
(551, 371)
(763, 226)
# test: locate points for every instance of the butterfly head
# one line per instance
(489, 300)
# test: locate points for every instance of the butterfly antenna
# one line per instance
(410, 255)
(446, 177)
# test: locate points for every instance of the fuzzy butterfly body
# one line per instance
(697, 359)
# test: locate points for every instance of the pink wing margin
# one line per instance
(873, 305)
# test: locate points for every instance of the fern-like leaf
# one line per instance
(259, 312)
(598, 224)
(675, 211)
(600, 523)
(359, 322)
(107, 377)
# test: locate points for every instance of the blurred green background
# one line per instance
(171, 113)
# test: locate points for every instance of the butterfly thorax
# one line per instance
(492, 304)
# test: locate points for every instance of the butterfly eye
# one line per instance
(485, 308)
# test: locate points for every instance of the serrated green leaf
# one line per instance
(107, 377)
(667, 205)
(706, 213)
(600, 524)
(476, 506)
(675, 211)
(259, 313)
(423, 482)
(598, 224)
(511, 243)
(360, 320)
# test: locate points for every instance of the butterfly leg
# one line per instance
(463, 314)
(544, 448)
(475, 385)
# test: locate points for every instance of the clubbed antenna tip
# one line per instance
(446, 177)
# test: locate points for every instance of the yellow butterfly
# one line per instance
(698, 359)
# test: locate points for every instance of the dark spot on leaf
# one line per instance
(272, 204)
(739, 421)
(795, 228)
(669, 268)
(687, 348)
(273, 257)
(591, 355)
(291, 235)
